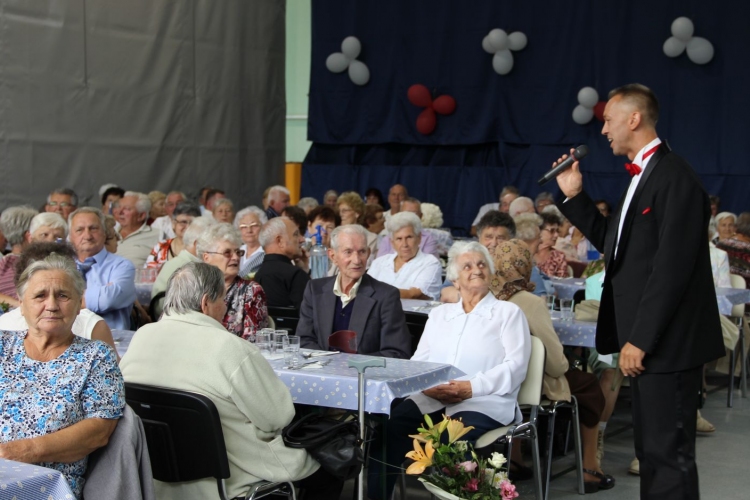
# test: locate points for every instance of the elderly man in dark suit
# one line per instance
(658, 306)
(353, 301)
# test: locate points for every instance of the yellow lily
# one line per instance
(432, 432)
(422, 458)
(456, 430)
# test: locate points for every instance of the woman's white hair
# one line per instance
(197, 227)
(527, 226)
(462, 247)
(211, 238)
(723, 215)
(401, 220)
(53, 262)
(15, 221)
(223, 201)
(49, 219)
(262, 217)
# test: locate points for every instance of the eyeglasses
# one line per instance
(182, 222)
(63, 204)
(228, 253)
(249, 226)
(552, 230)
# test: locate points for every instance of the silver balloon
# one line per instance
(359, 73)
(582, 115)
(502, 62)
(517, 41)
(487, 46)
(337, 62)
(351, 47)
(498, 39)
(683, 28)
(588, 97)
(700, 50)
(673, 47)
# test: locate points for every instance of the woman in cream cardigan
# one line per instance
(513, 264)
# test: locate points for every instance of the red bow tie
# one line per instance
(633, 169)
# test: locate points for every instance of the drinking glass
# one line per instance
(551, 303)
(566, 310)
(280, 338)
(291, 351)
(263, 342)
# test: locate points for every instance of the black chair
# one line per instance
(156, 305)
(286, 318)
(185, 440)
(415, 323)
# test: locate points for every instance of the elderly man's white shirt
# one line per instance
(423, 271)
(491, 344)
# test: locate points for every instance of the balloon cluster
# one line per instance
(589, 106)
(419, 95)
(347, 59)
(499, 43)
(699, 50)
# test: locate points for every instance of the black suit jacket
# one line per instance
(377, 318)
(658, 291)
(283, 282)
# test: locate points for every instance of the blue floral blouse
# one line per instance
(38, 398)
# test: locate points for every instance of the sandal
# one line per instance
(605, 482)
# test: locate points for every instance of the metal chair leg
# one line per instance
(743, 359)
(578, 444)
(730, 388)
(538, 493)
(551, 416)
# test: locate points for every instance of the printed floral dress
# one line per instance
(246, 308)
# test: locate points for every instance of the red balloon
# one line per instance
(599, 110)
(426, 121)
(419, 95)
(445, 105)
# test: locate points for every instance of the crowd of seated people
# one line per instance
(219, 268)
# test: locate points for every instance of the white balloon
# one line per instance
(502, 62)
(673, 47)
(588, 97)
(351, 47)
(683, 28)
(700, 50)
(359, 73)
(517, 40)
(487, 46)
(498, 39)
(337, 62)
(582, 115)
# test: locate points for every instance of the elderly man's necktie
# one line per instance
(85, 266)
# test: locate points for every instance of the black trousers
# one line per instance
(664, 416)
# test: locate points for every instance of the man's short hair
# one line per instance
(88, 210)
(324, 213)
(66, 192)
(142, 204)
(177, 192)
(307, 203)
(271, 230)
(186, 208)
(520, 205)
(510, 190)
(350, 229)
(496, 218)
(714, 200)
(543, 196)
(189, 284)
(276, 190)
(643, 98)
(211, 193)
(15, 221)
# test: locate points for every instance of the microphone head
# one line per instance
(581, 151)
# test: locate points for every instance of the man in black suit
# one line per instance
(658, 306)
(353, 301)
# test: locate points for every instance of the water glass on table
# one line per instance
(566, 310)
(291, 352)
(280, 338)
(263, 342)
(551, 303)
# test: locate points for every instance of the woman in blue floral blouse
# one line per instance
(60, 395)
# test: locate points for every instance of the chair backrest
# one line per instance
(285, 318)
(183, 433)
(531, 388)
(738, 281)
(344, 341)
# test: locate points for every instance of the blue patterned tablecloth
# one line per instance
(335, 385)
(728, 297)
(576, 333)
(21, 481)
(567, 287)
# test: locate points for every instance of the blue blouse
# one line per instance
(38, 398)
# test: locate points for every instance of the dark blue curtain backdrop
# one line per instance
(508, 129)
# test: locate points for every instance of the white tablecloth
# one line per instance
(21, 481)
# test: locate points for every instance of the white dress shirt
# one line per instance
(638, 160)
(491, 344)
(423, 271)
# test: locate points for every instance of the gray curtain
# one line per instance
(147, 94)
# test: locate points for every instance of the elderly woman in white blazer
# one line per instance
(485, 338)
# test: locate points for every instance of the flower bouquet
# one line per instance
(450, 476)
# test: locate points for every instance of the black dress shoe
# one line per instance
(605, 482)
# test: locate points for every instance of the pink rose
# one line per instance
(473, 485)
(468, 466)
(508, 491)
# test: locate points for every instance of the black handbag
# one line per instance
(334, 443)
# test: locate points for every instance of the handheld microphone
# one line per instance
(579, 153)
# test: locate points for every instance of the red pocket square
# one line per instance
(646, 210)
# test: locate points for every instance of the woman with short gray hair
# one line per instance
(223, 210)
(49, 227)
(249, 222)
(15, 223)
(417, 275)
(247, 311)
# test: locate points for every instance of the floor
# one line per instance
(723, 470)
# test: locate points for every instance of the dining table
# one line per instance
(21, 481)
